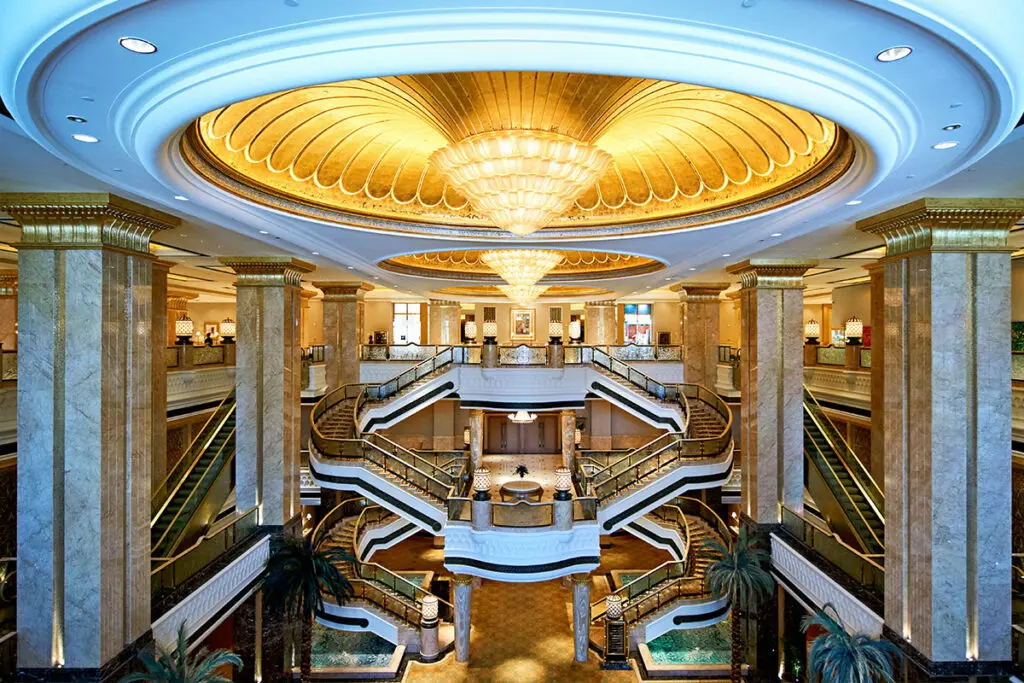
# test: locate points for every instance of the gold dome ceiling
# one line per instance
(576, 266)
(359, 151)
(555, 292)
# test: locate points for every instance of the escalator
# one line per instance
(849, 498)
(197, 486)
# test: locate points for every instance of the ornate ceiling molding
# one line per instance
(468, 265)
(560, 292)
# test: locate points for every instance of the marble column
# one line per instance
(268, 385)
(581, 615)
(177, 305)
(443, 317)
(877, 466)
(159, 400)
(771, 379)
(601, 328)
(946, 407)
(344, 314)
(567, 419)
(85, 413)
(307, 296)
(463, 596)
(9, 309)
(476, 437)
(701, 307)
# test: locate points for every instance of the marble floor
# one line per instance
(542, 471)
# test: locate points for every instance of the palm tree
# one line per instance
(738, 572)
(176, 666)
(299, 574)
(839, 657)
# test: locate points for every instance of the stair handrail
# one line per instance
(665, 392)
(160, 502)
(346, 392)
(698, 508)
(367, 450)
(846, 494)
(380, 391)
(636, 456)
(415, 459)
(858, 472)
(202, 478)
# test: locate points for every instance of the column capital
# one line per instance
(163, 265)
(61, 220)
(771, 273)
(267, 271)
(343, 290)
(444, 302)
(177, 300)
(595, 304)
(568, 412)
(463, 579)
(937, 225)
(581, 579)
(700, 292)
(876, 267)
(8, 283)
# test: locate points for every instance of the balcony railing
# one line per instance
(836, 355)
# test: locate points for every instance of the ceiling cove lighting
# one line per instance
(894, 54)
(137, 45)
(521, 179)
(82, 137)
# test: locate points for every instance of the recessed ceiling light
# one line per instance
(316, 253)
(948, 144)
(264, 232)
(854, 202)
(726, 255)
(952, 126)
(351, 267)
(181, 197)
(693, 269)
(894, 54)
(82, 137)
(137, 45)
(375, 277)
(668, 278)
(75, 119)
(776, 234)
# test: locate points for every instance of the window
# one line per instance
(406, 324)
(638, 323)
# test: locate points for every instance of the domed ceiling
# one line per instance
(360, 152)
(468, 264)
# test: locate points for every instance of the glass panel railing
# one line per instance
(523, 354)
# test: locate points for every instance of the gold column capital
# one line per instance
(444, 302)
(463, 579)
(178, 300)
(700, 292)
(568, 412)
(267, 271)
(65, 220)
(159, 264)
(343, 290)
(945, 225)
(599, 304)
(873, 268)
(771, 273)
(307, 296)
(581, 579)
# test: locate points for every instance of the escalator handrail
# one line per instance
(846, 493)
(859, 473)
(184, 458)
(213, 461)
(195, 461)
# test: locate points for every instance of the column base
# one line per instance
(945, 670)
(111, 672)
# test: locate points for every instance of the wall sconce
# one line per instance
(471, 331)
(183, 329)
(854, 331)
(812, 330)
(227, 331)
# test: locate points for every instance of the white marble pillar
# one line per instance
(268, 385)
(947, 424)
(476, 437)
(159, 335)
(567, 419)
(581, 615)
(443, 323)
(601, 328)
(86, 420)
(344, 314)
(771, 363)
(463, 597)
(701, 307)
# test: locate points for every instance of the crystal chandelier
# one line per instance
(522, 295)
(522, 417)
(521, 267)
(521, 179)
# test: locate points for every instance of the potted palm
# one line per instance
(175, 666)
(738, 571)
(299, 574)
(521, 471)
(838, 656)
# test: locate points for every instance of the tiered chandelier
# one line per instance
(522, 269)
(521, 179)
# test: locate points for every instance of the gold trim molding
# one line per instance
(468, 266)
(343, 290)
(700, 292)
(267, 271)
(62, 220)
(945, 225)
(771, 273)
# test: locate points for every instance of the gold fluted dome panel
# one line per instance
(359, 151)
(467, 264)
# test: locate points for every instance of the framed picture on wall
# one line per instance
(211, 329)
(521, 324)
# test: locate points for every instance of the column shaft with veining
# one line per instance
(344, 314)
(581, 615)
(568, 424)
(159, 335)
(463, 598)
(600, 324)
(701, 307)
(443, 322)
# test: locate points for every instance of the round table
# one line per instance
(521, 489)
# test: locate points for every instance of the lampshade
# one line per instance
(613, 606)
(429, 608)
(522, 267)
(524, 295)
(490, 329)
(471, 329)
(555, 329)
(481, 479)
(521, 179)
(854, 328)
(575, 329)
(812, 330)
(466, 437)
(227, 327)
(577, 436)
(563, 479)
(522, 417)
(183, 326)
